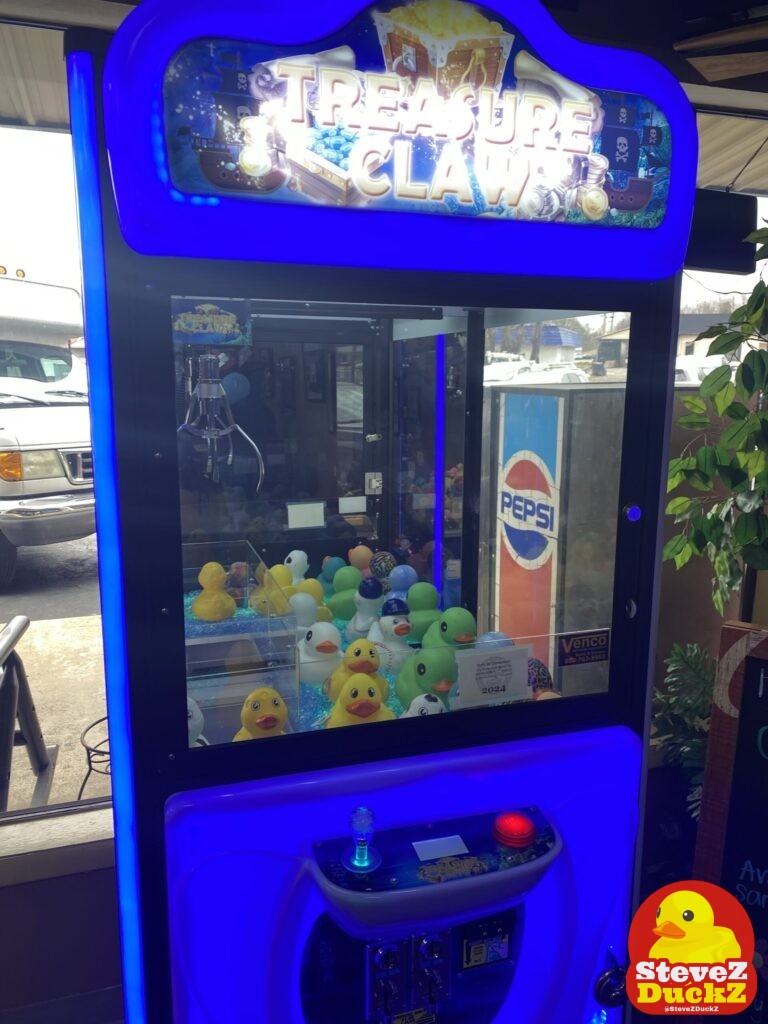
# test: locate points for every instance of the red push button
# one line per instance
(513, 829)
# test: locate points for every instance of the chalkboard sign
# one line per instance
(745, 859)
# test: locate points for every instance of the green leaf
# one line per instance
(749, 501)
(761, 253)
(738, 314)
(758, 235)
(732, 476)
(684, 556)
(678, 505)
(700, 481)
(757, 361)
(737, 411)
(714, 331)
(696, 404)
(698, 541)
(736, 434)
(723, 399)
(750, 528)
(674, 481)
(716, 380)
(693, 421)
(745, 380)
(725, 343)
(706, 460)
(673, 547)
(755, 555)
(756, 299)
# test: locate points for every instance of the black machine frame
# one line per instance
(142, 376)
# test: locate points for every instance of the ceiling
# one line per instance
(717, 48)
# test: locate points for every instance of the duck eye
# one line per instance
(658, 913)
(687, 915)
(354, 694)
(288, 560)
(421, 668)
(423, 711)
(255, 705)
(431, 698)
(309, 636)
(276, 701)
(371, 692)
(443, 627)
(189, 714)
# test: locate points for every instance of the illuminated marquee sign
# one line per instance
(429, 107)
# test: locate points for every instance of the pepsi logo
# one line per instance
(528, 510)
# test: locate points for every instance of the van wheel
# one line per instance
(8, 558)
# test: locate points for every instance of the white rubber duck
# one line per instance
(195, 724)
(389, 635)
(298, 563)
(424, 704)
(319, 653)
(368, 600)
(304, 608)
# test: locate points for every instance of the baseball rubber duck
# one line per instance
(422, 601)
(360, 658)
(264, 714)
(319, 652)
(456, 627)
(368, 600)
(331, 565)
(432, 670)
(685, 924)
(297, 563)
(423, 705)
(360, 700)
(213, 603)
(389, 634)
(342, 600)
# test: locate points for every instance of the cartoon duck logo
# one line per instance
(691, 947)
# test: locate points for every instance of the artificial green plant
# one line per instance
(726, 462)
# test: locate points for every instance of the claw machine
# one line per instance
(350, 782)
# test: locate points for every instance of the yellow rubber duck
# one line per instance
(268, 598)
(688, 933)
(360, 700)
(264, 714)
(359, 657)
(213, 603)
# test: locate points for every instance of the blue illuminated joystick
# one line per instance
(362, 858)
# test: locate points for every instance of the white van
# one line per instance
(46, 467)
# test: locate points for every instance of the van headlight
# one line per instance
(30, 465)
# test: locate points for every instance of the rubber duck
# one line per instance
(360, 657)
(456, 627)
(382, 564)
(360, 556)
(389, 635)
(401, 579)
(540, 679)
(688, 933)
(342, 600)
(283, 577)
(304, 608)
(319, 652)
(424, 704)
(422, 601)
(264, 714)
(368, 600)
(360, 700)
(433, 670)
(297, 564)
(195, 724)
(213, 603)
(268, 597)
(331, 565)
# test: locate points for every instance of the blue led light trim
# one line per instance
(157, 219)
(439, 513)
(85, 145)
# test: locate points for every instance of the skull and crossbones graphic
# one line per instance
(622, 150)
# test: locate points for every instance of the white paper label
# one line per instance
(433, 849)
(493, 674)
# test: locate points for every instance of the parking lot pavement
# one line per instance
(54, 581)
(63, 661)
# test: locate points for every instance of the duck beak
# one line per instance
(403, 629)
(326, 647)
(669, 930)
(362, 666)
(443, 685)
(267, 722)
(465, 638)
(363, 708)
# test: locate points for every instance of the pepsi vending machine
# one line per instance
(344, 788)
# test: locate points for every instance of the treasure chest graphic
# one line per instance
(322, 179)
(447, 41)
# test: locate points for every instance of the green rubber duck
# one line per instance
(456, 627)
(422, 601)
(429, 671)
(345, 584)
